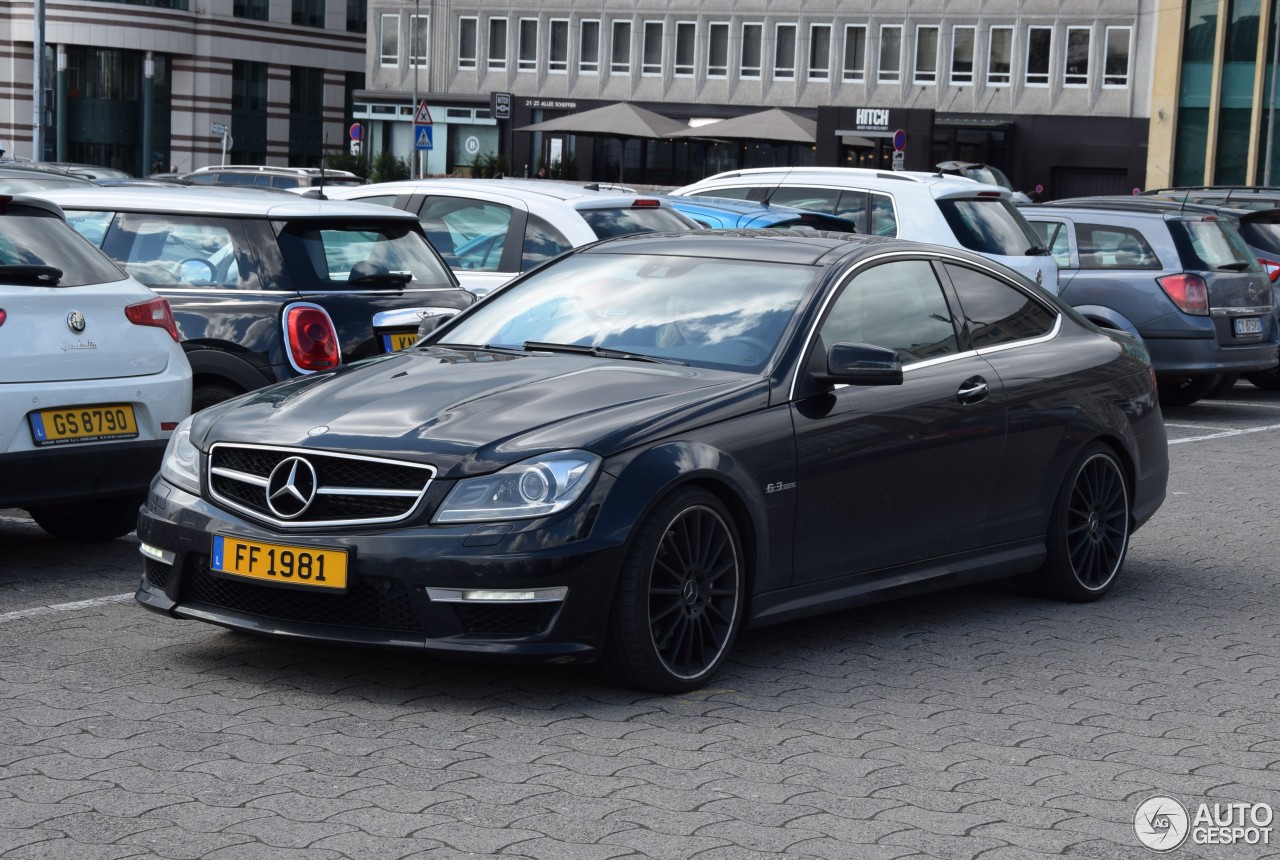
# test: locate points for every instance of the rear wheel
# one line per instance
(1268, 380)
(1185, 390)
(680, 596)
(1088, 530)
(97, 520)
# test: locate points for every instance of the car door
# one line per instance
(890, 475)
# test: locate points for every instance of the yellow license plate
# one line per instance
(83, 424)
(282, 564)
(400, 340)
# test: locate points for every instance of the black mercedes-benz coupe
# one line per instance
(637, 449)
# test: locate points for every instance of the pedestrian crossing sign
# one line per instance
(421, 137)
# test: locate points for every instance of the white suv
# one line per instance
(92, 379)
(923, 207)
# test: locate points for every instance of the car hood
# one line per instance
(471, 412)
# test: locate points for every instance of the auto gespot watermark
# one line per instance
(1163, 823)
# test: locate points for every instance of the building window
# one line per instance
(1039, 47)
(889, 69)
(962, 39)
(749, 65)
(652, 62)
(306, 116)
(820, 52)
(357, 16)
(784, 52)
(308, 13)
(855, 53)
(1116, 72)
(468, 38)
(558, 45)
(249, 111)
(1000, 57)
(419, 39)
(497, 44)
(390, 40)
(1075, 71)
(926, 55)
(257, 9)
(589, 48)
(620, 62)
(718, 50)
(686, 46)
(528, 49)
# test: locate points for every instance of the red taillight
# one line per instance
(3, 316)
(313, 341)
(1187, 291)
(155, 312)
(166, 426)
(1272, 268)
(990, 194)
(645, 203)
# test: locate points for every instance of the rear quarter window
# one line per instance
(995, 312)
(989, 226)
(1211, 245)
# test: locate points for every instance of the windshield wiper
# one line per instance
(393, 279)
(41, 276)
(597, 351)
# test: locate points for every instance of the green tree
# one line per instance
(387, 167)
(346, 161)
(487, 165)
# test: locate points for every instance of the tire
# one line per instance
(1267, 380)
(211, 393)
(1222, 388)
(1089, 529)
(1185, 390)
(85, 522)
(679, 599)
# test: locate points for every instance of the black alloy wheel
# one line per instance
(680, 594)
(1089, 529)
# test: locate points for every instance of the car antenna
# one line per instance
(322, 149)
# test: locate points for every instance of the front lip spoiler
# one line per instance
(461, 647)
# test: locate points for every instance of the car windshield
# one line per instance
(989, 226)
(1211, 244)
(727, 314)
(369, 255)
(607, 223)
(31, 245)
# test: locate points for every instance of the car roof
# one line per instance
(805, 247)
(214, 200)
(29, 200)
(937, 184)
(524, 189)
(1148, 204)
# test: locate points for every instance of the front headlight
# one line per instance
(533, 488)
(181, 462)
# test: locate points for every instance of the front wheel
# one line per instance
(97, 520)
(1088, 530)
(679, 599)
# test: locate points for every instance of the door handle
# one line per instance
(973, 390)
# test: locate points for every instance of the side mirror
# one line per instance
(861, 364)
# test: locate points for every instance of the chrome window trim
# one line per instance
(859, 266)
(409, 316)
(204, 291)
(1260, 310)
(351, 491)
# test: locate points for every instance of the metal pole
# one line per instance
(413, 58)
(60, 106)
(1271, 108)
(148, 96)
(37, 83)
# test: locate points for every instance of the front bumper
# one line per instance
(1186, 356)
(391, 571)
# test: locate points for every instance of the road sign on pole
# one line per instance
(356, 131)
(421, 137)
(218, 129)
(423, 116)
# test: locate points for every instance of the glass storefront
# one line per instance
(105, 115)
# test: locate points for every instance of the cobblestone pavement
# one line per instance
(970, 724)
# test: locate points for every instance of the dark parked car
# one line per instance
(266, 285)
(1180, 277)
(650, 442)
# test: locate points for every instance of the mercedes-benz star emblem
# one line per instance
(75, 321)
(291, 488)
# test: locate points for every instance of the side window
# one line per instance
(884, 222)
(996, 312)
(380, 199)
(1106, 246)
(898, 305)
(541, 243)
(813, 199)
(853, 205)
(181, 251)
(1053, 235)
(91, 225)
(466, 232)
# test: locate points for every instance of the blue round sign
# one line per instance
(357, 131)
(900, 140)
